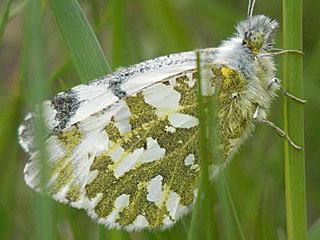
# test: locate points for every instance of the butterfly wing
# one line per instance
(80, 102)
(135, 163)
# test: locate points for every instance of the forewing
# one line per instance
(134, 164)
(80, 102)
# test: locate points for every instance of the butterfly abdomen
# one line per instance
(234, 110)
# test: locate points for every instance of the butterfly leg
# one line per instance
(280, 51)
(275, 83)
(258, 116)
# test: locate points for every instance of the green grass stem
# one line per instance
(294, 122)
(229, 224)
(4, 19)
(82, 44)
(17, 9)
(34, 74)
(233, 210)
(119, 52)
(203, 191)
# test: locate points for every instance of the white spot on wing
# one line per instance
(101, 142)
(153, 152)
(155, 191)
(128, 162)
(121, 117)
(189, 159)
(93, 98)
(206, 85)
(163, 98)
(170, 129)
(123, 126)
(194, 166)
(172, 81)
(91, 175)
(142, 80)
(140, 221)
(172, 204)
(116, 152)
(190, 81)
(93, 202)
(167, 221)
(62, 193)
(121, 202)
(182, 120)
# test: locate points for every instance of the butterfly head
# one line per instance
(258, 33)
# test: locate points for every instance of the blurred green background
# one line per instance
(130, 32)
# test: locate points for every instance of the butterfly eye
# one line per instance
(257, 40)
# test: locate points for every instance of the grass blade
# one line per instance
(17, 9)
(230, 227)
(226, 224)
(9, 159)
(281, 234)
(119, 52)
(83, 46)
(233, 209)
(194, 220)
(294, 123)
(4, 20)
(203, 192)
(34, 74)
(102, 235)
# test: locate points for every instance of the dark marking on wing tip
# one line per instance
(114, 85)
(66, 104)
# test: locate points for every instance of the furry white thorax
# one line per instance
(258, 72)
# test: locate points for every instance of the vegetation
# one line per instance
(49, 46)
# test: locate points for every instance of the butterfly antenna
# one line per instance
(249, 7)
(252, 7)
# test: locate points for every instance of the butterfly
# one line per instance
(125, 147)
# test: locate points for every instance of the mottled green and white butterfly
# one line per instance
(125, 147)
